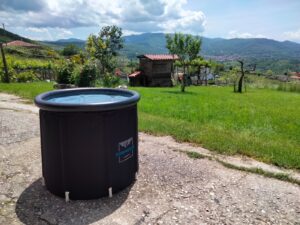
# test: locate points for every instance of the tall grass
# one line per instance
(263, 82)
(291, 87)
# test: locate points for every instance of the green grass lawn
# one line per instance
(263, 124)
(26, 90)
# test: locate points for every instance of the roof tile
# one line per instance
(161, 56)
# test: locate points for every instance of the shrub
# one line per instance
(70, 50)
(110, 80)
(64, 74)
(86, 76)
(26, 77)
(11, 75)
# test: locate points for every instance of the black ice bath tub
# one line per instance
(89, 141)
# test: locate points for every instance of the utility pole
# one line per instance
(6, 76)
(3, 26)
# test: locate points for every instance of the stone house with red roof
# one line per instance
(295, 76)
(154, 71)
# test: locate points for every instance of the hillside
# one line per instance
(6, 36)
(43, 50)
(217, 47)
(59, 44)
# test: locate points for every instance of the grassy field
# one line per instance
(26, 90)
(262, 123)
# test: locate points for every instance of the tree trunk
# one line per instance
(199, 75)
(240, 83)
(6, 75)
(205, 76)
(183, 80)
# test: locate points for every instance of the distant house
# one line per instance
(295, 75)
(154, 71)
(22, 44)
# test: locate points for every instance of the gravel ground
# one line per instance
(171, 187)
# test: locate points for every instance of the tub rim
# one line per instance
(104, 106)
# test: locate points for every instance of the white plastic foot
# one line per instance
(110, 192)
(67, 198)
(43, 181)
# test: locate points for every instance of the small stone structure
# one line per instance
(154, 71)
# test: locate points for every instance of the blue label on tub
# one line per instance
(125, 150)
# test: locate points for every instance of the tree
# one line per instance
(186, 47)
(70, 50)
(269, 73)
(242, 77)
(105, 47)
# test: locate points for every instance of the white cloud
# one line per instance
(292, 35)
(236, 34)
(190, 22)
(132, 15)
(38, 33)
(37, 30)
(63, 32)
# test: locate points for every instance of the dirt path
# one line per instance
(171, 187)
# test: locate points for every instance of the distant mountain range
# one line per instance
(216, 48)
(64, 42)
(266, 53)
(68, 40)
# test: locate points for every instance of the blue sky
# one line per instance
(56, 19)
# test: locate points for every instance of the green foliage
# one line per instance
(229, 77)
(86, 76)
(110, 80)
(70, 50)
(11, 71)
(200, 62)
(105, 47)
(27, 76)
(64, 73)
(38, 53)
(186, 47)
(20, 63)
(269, 73)
(79, 59)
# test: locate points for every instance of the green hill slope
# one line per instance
(6, 36)
(44, 51)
